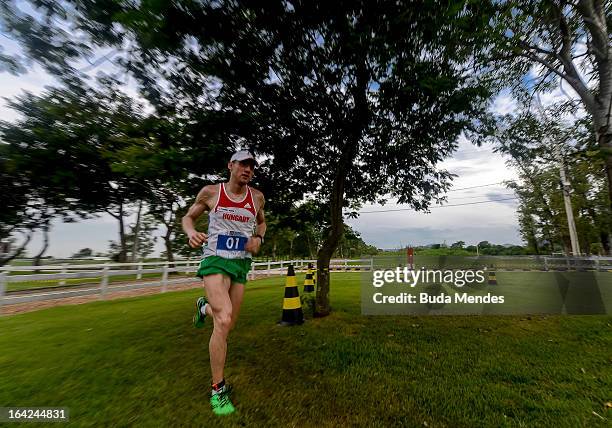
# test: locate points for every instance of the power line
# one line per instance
(455, 205)
(462, 152)
(482, 185)
(443, 206)
(472, 197)
(474, 203)
(479, 196)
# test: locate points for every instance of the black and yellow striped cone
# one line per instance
(292, 307)
(309, 282)
(314, 275)
(492, 278)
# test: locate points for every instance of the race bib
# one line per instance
(231, 243)
(231, 246)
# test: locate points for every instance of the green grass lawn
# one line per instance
(140, 362)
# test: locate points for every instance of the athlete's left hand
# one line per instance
(253, 244)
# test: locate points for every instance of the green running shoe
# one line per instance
(198, 318)
(221, 403)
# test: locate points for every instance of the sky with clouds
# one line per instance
(397, 227)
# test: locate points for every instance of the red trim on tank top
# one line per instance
(246, 194)
(218, 198)
(226, 201)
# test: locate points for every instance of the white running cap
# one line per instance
(242, 155)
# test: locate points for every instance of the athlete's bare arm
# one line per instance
(202, 203)
(254, 243)
(260, 228)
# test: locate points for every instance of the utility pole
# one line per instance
(565, 184)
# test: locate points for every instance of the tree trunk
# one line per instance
(168, 239)
(322, 306)
(604, 141)
(551, 244)
(352, 135)
(567, 246)
(136, 233)
(609, 176)
(336, 229)
(122, 240)
(533, 237)
(169, 253)
(17, 253)
(310, 252)
(122, 257)
(45, 246)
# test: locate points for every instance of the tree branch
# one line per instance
(17, 253)
(593, 15)
(537, 86)
(596, 23)
(567, 96)
(116, 216)
(570, 74)
(525, 45)
(592, 50)
(576, 83)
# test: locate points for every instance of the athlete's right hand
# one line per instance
(196, 239)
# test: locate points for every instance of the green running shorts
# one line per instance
(236, 269)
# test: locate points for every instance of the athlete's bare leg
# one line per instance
(236, 293)
(220, 307)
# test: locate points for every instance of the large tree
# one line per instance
(171, 165)
(352, 102)
(349, 102)
(536, 143)
(18, 216)
(566, 42)
(62, 146)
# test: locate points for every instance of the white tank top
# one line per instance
(230, 225)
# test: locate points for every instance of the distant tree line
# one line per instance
(459, 248)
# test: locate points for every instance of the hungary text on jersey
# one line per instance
(230, 224)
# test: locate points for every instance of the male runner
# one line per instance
(234, 210)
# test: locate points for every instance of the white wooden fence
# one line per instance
(100, 274)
